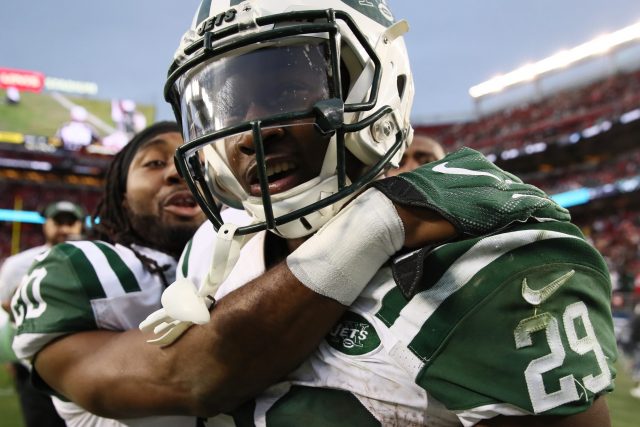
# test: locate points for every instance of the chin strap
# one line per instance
(183, 304)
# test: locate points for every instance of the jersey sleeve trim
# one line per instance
(83, 269)
(184, 259)
(125, 276)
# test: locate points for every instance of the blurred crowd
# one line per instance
(590, 174)
(617, 237)
(553, 119)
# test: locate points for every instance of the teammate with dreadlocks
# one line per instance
(131, 221)
(80, 295)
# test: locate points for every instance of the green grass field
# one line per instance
(9, 407)
(39, 114)
(625, 410)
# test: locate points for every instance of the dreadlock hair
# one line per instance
(111, 221)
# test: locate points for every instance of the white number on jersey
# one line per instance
(33, 307)
(541, 400)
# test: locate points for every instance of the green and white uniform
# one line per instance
(85, 286)
(513, 320)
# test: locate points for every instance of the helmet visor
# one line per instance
(248, 86)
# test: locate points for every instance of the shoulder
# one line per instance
(197, 252)
(58, 295)
(517, 319)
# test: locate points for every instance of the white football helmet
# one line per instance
(333, 71)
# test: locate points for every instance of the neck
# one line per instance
(277, 248)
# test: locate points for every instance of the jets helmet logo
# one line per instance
(353, 335)
(374, 9)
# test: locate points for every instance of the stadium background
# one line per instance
(574, 133)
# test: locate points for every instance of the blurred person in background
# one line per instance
(63, 221)
(77, 133)
(12, 96)
(421, 151)
(80, 296)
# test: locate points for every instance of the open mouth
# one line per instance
(281, 176)
(182, 199)
(182, 203)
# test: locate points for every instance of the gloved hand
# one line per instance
(472, 193)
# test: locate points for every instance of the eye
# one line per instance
(155, 164)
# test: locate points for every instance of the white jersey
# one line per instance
(83, 286)
(376, 380)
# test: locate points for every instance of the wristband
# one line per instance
(344, 255)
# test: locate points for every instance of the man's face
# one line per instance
(422, 150)
(268, 82)
(61, 227)
(293, 155)
(156, 198)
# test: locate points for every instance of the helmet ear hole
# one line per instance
(402, 84)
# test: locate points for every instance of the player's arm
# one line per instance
(265, 329)
(596, 416)
(257, 334)
(113, 374)
(262, 331)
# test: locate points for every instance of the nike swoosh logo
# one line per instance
(442, 168)
(537, 297)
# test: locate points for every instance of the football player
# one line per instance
(450, 295)
(80, 296)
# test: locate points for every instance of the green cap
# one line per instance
(64, 206)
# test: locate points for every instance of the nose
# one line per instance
(65, 229)
(246, 143)
(171, 174)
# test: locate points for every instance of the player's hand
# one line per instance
(468, 191)
(424, 226)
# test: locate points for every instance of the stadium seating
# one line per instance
(598, 112)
